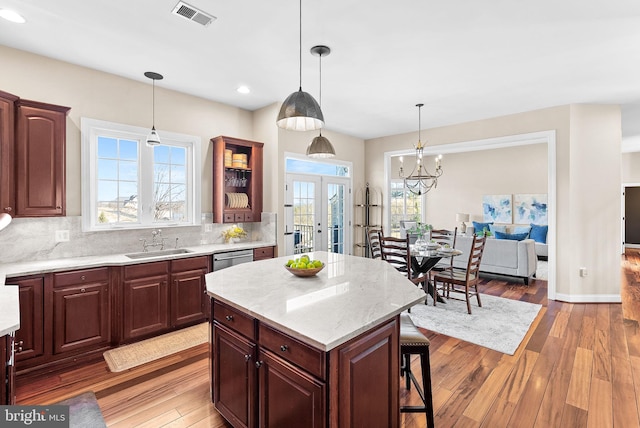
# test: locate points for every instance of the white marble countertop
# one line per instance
(9, 306)
(9, 310)
(348, 297)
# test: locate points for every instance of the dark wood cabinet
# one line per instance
(188, 290)
(30, 338)
(7, 147)
(354, 385)
(7, 383)
(237, 187)
(145, 290)
(81, 310)
(40, 159)
(263, 253)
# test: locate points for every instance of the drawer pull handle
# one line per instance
(229, 317)
(247, 357)
(259, 364)
(284, 348)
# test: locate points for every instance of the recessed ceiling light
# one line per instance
(243, 89)
(12, 16)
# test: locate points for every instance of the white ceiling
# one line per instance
(465, 60)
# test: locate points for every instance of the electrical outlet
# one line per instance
(208, 227)
(583, 272)
(62, 235)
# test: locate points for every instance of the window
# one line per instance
(404, 206)
(127, 184)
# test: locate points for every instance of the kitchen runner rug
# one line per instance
(84, 411)
(500, 323)
(128, 356)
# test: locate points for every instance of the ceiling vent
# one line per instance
(192, 14)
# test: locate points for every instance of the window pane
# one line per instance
(107, 169)
(178, 174)
(107, 147)
(178, 156)
(161, 154)
(128, 149)
(128, 171)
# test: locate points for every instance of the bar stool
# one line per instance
(412, 342)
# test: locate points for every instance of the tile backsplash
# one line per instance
(35, 238)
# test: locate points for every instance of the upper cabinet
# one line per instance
(40, 159)
(237, 180)
(7, 145)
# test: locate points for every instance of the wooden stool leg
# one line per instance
(426, 385)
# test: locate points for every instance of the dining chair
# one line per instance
(443, 237)
(463, 281)
(373, 238)
(397, 252)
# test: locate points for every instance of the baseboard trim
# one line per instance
(589, 298)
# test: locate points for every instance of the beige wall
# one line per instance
(631, 168)
(587, 139)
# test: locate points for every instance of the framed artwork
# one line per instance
(496, 208)
(530, 208)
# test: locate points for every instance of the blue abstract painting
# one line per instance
(496, 208)
(530, 208)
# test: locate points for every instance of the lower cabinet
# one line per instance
(7, 392)
(189, 301)
(262, 377)
(30, 337)
(81, 310)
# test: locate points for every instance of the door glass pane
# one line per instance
(303, 216)
(335, 220)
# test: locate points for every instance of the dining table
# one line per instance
(423, 259)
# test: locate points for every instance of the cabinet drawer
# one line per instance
(310, 359)
(229, 217)
(262, 253)
(145, 270)
(248, 217)
(234, 319)
(239, 217)
(79, 277)
(193, 263)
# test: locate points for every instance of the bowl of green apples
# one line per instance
(304, 266)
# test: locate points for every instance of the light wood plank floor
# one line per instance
(579, 366)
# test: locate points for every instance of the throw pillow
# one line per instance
(522, 229)
(511, 236)
(539, 233)
(493, 228)
(478, 228)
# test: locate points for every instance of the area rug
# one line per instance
(128, 356)
(542, 270)
(500, 324)
(84, 411)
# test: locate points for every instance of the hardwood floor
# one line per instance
(579, 366)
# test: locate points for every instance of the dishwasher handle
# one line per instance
(221, 257)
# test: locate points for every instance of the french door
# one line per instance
(317, 213)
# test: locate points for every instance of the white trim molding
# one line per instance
(589, 298)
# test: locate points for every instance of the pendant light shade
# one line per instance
(320, 147)
(153, 139)
(300, 111)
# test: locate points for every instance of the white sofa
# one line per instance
(542, 249)
(501, 256)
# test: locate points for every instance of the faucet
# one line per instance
(157, 240)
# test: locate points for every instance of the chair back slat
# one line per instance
(445, 237)
(373, 235)
(475, 256)
(396, 251)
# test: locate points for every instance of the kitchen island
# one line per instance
(308, 352)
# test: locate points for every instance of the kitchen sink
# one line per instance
(147, 254)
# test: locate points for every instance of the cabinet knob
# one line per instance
(82, 290)
(259, 364)
(284, 348)
(19, 348)
(83, 277)
(58, 207)
(21, 343)
(247, 357)
(229, 317)
(8, 209)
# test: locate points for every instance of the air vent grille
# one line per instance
(189, 12)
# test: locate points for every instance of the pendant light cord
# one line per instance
(300, 44)
(153, 105)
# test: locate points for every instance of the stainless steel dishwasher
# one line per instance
(231, 258)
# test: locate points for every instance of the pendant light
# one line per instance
(300, 111)
(320, 147)
(153, 139)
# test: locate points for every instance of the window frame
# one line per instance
(91, 129)
(405, 197)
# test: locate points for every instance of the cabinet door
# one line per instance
(146, 309)
(40, 159)
(4, 372)
(365, 380)
(7, 144)
(188, 297)
(234, 377)
(288, 396)
(81, 317)
(30, 336)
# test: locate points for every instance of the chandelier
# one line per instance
(420, 180)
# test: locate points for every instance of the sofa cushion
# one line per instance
(480, 227)
(539, 233)
(511, 236)
(522, 229)
(493, 228)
